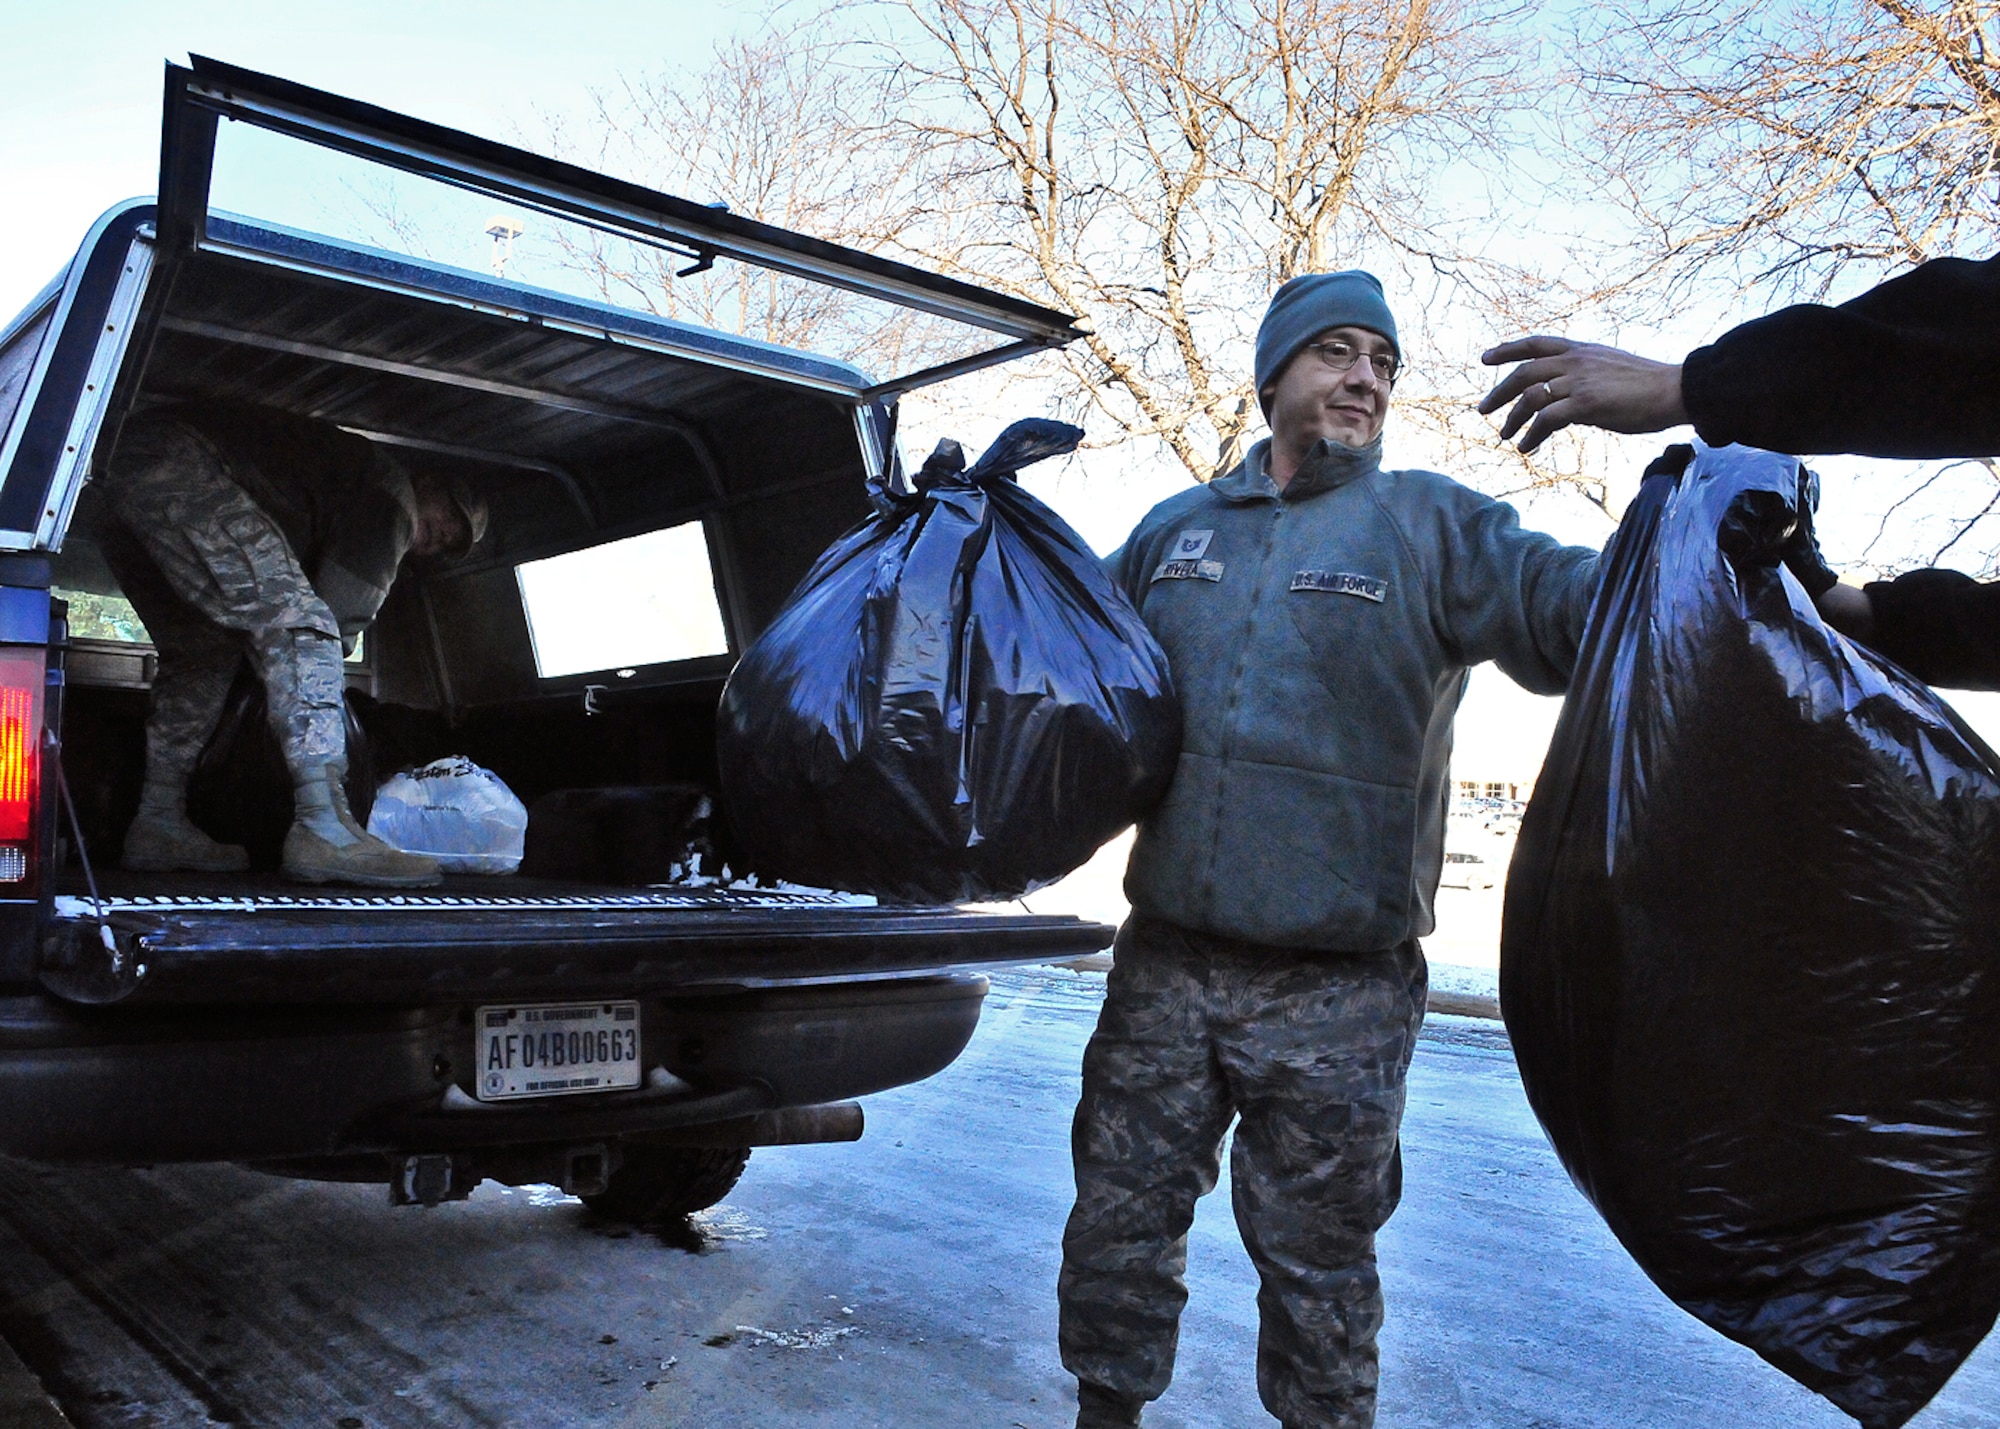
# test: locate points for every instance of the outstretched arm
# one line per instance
(1911, 368)
(1560, 382)
(1941, 626)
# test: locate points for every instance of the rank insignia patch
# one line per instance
(1190, 545)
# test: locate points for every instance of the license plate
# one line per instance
(553, 1049)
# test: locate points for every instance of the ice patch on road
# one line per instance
(816, 1338)
(1463, 981)
(533, 1195)
(727, 1223)
(549, 1196)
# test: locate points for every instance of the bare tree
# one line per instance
(780, 128)
(1944, 512)
(1785, 142)
(1772, 149)
(1155, 166)
(1159, 166)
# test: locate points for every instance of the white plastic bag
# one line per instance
(455, 812)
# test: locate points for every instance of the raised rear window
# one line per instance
(645, 600)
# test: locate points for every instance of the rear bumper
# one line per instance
(249, 1083)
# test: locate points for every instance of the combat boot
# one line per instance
(162, 839)
(1101, 1408)
(326, 845)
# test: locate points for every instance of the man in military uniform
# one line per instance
(1320, 615)
(237, 532)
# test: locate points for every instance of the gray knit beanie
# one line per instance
(1310, 304)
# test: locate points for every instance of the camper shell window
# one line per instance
(645, 600)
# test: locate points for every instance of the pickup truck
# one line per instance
(626, 1041)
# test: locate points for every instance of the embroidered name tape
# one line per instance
(1188, 571)
(1190, 545)
(1342, 583)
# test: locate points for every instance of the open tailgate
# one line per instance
(222, 945)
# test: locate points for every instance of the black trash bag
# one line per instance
(1750, 961)
(241, 790)
(955, 704)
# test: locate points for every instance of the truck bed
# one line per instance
(245, 939)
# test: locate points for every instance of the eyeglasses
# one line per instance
(1342, 355)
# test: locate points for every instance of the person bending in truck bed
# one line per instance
(1910, 368)
(1319, 614)
(238, 532)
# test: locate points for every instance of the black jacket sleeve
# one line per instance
(1941, 626)
(1908, 369)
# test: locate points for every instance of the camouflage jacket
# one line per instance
(344, 503)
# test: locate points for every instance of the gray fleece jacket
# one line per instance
(1320, 640)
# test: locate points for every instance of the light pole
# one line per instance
(503, 231)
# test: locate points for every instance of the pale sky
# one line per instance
(80, 112)
(80, 119)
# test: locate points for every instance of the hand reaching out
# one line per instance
(1560, 383)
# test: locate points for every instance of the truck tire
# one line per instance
(661, 1182)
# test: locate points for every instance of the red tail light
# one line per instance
(21, 682)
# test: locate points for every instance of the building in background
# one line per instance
(1490, 790)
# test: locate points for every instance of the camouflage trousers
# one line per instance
(1310, 1051)
(215, 581)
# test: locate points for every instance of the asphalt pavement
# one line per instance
(905, 1280)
